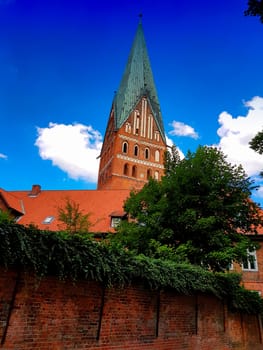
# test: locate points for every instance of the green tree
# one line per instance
(201, 211)
(257, 142)
(144, 208)
(72, 218)
(255, 8)
(171, 160)
(6, 217)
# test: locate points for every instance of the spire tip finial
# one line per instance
(140, 17)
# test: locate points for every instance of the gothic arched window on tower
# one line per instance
(125, 147)
(149, 174)
(157, 156)
(147, 153)
(134, 171)
(126, 169)
(136, 150)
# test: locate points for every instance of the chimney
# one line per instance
(36, 189)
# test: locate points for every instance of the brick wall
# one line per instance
(50, 314)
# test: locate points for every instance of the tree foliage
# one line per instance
(171, 160)
(199, 212)
(255, 8)
(6, 217)
(257, 145)
(72, 218)
(257, 142)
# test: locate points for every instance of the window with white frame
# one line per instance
(115, 221)
(230, 266)
(250, 264)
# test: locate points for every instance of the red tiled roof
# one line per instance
(12, 202)
(98, 203)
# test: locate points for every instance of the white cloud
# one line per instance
(72, 148)
(3, 156)
(236, 132)
(170, 143)
(181, 129)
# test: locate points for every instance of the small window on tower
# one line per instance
(156, 175)
(147, 153)
(136, 150)
(157, 156)
(126, 169)
(149, 174)
(125, 147)
(134, 171)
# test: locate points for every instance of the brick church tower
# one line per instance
(134, 142)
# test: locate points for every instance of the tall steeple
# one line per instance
(137, 81)
(134, 142)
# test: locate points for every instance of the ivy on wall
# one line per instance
(78, 257)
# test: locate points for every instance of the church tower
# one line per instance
(134, 143)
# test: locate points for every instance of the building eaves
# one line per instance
(12, 202)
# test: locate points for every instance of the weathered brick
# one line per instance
(49, 314)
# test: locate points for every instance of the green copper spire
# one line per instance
(137, 82)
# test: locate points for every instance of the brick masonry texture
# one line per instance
(48, 314)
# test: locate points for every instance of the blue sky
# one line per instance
(61, 61)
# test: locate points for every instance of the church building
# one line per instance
(134, 142)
